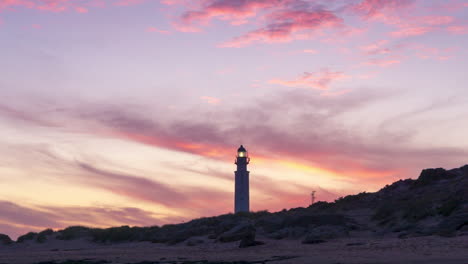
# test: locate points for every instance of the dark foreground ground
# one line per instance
(351, 250)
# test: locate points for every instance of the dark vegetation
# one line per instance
(434, 204)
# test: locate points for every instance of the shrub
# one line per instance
(385, 211)
(448, 207)
(42, 236)
(73, 232)
(418, 209)
(115, 234)
(28, 236)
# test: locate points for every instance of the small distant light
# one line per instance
(241, 154)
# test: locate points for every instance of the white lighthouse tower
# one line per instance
(241, 195)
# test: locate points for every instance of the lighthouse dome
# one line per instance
(241, 149)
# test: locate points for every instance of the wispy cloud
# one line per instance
(284, 26)
(157, 30)
(317, 80)
(329, 148)
(385, 62)
(411, 31)
(458, 29)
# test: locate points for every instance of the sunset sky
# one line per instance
(129, 112)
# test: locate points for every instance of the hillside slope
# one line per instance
(434, 204)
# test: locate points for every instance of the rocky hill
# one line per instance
(434, 204)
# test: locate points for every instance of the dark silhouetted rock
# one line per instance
(5, 240)
(429, 176)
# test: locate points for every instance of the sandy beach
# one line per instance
(344, 251)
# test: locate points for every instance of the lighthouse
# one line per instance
(241, 192)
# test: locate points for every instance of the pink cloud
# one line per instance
(411, 31)
(420, 25)
(236, 11)
(211, 100)
(284, 20)
(458, 30)
(399, 13)
(435, 20)
(81, 10)
(318, 80)
(425, 52)
(285, 26)
(310, 51)
(287, 20)
(378, 47)
(378, 8)
(44, 5)
(154, 29)
(172, 2)
(128, 2)
(383, 62)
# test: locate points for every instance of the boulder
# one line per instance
(239, 232)
(249, 241)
